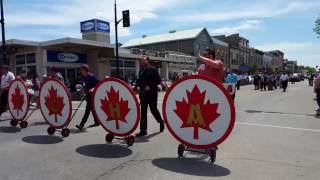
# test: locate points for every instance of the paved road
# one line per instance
(276, 137)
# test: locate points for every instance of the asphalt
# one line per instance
(275, 137)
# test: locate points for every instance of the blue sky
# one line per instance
(270, 24)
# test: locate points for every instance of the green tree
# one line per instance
(310, 69)
(254, 68)
(316, 29)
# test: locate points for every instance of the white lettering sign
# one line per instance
(68, 57)
(87, 26)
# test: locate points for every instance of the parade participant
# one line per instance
(317, 91)
(148, 82)
(90, 82)
(232, 78)
(284, 81)
(6, 80)
(211, 66)
(35, 85)
(264, 81)
(55, 74)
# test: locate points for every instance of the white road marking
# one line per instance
(280, 127)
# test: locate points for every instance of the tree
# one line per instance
(253, 68)
(316, 29)
(310, 69)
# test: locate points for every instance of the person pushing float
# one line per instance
(198, 110)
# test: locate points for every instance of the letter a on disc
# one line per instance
(198, 112)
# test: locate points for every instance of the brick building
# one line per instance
(239, 52)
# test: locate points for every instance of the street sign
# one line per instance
(55, 103)
(116, 107)
(198, 112)
(18, 100)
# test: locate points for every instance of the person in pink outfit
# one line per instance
(317, 91)
(211, 66)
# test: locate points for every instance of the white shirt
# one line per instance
(284, 77)
(6, 80)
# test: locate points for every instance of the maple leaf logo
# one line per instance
(115, 107)
(17, 100)
(54, 103)
(196, 113)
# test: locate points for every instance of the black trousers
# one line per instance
(263, 86)
(4, 101)
(88, 110)
(284, 85)
(149, 99)
(318, 98)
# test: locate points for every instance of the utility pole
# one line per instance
(4, 52)
(116, 29)
(126, 23)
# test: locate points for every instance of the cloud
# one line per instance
(304, 52)
(243, 26)
(68, 14)
(260, 10)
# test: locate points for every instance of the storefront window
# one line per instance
(127, 69)
(20, 59)
(31, 58)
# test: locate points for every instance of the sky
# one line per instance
(286, 25)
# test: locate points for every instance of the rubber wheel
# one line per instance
(181, 149)
(109, 138)
(51, 130)
(24, 124)
(130, 140)
(14, 122)
(65, 132)
(213, 155)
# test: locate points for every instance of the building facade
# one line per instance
(222, 51)
(188, 41)
(277, 60)
(239, 52)
(256, 59)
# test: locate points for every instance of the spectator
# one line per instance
(232, 78)
(6, 80)
(317, 91)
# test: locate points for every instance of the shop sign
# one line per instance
(66, 57)
(95, 25)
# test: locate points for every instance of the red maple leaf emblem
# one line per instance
(196, 113)
(17, 100)
(115, 107)
(54, 103)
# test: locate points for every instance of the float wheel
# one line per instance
(24, 124)
(130, 140)
(213, 155)
(181, 149)
(65, 132)
(14, 122)
(51, 130)
(109, 138)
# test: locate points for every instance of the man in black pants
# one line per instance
(90, 82)
(148, 82)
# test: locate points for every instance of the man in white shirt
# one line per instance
(6, 80)
(284, 81)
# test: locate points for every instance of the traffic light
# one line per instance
(126, 18)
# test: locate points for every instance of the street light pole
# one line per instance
(4, 54)
(116, 22)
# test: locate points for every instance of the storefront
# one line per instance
(66, 55)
